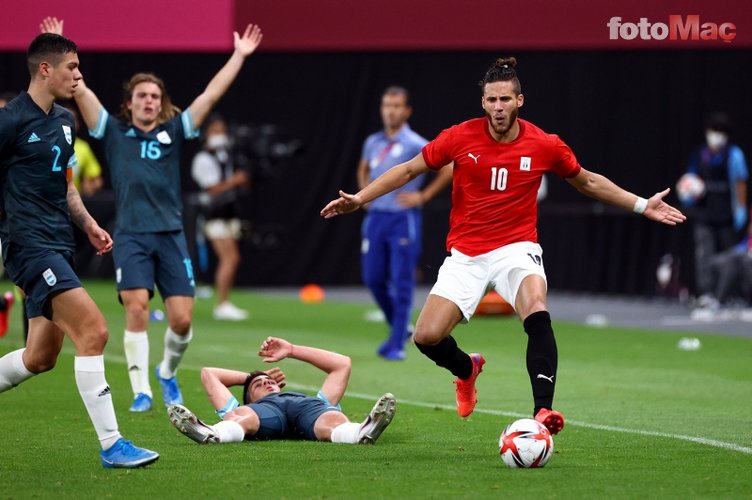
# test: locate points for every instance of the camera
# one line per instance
(263, 149)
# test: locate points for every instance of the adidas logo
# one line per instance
(104, 392)
(33, 138)
(134, 368)
(130, 133)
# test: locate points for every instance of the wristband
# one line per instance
(640, 205)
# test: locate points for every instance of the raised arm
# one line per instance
(217, 381)
(89, 105)
(336, 366)
(244, 46)
(602, 189)
(397, 176)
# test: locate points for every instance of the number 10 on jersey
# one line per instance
(499, 178)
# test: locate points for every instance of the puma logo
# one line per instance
(475, 158)
(550, 379)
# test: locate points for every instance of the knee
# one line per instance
(534, 306)
(427, 334)
(137, 309)
(180, 322)
(40, 363)
(96, 336)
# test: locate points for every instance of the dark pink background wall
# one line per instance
(347, 25)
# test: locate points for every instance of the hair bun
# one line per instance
(506, 62)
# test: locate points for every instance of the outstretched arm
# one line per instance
(602, 189)
(217, 381)
(336, 366)
(244, 46)
(395, 177)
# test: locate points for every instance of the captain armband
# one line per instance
(231, 405)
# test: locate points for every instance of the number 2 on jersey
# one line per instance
(499, 178)
(55, 165)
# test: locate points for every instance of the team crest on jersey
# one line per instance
(164, 138)
(49, 277)
(68, 134)
(525, 162)
(397, 150)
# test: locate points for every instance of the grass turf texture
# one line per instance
(635, 381)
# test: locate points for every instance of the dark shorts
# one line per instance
(288, 415)
(143, 259)
(41, 273)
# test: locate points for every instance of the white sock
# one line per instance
(12, 370)
(229, 431)
(95, 392)
(137, 358)
(174, 347)
(346, 433)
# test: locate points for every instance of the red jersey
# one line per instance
(495, 184)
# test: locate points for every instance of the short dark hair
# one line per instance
(719, 121)
(48, 46)
(398, 90)
(251, 377)
(502, 70)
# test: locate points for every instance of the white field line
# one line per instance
(423, 404)
(699, 440)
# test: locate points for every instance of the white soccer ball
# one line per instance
(690, 188)
(525, 443)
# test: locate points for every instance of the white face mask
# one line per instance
(219, 141)
(716, 140)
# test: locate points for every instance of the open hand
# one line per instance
(247, 43)
(660, 211)
(345, 204)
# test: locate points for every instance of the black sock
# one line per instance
(542, 358)
(447, 355)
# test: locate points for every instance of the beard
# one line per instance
(505, 125)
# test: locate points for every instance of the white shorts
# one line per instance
(215, 229)
(465, 280)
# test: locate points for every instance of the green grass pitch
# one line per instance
(644, 419)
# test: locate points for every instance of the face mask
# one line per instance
(219, 141)
(716, 140)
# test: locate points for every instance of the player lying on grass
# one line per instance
(269, 413)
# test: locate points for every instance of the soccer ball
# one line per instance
(525, 443)
(690, 188)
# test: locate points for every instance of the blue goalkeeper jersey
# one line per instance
(145, 171)
(36, 151)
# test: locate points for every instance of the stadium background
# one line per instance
(632, 110)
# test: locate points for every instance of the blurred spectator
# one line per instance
(720, 213)
(223, 183)
(5, 97)
(392, 229)
(732, 270)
